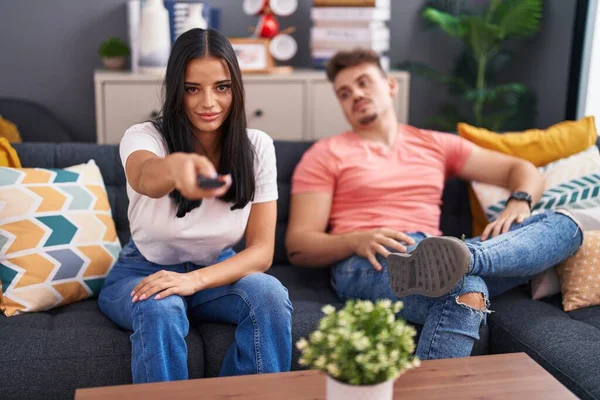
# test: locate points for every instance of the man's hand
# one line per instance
(369, 243)
(165, 283)
(515, 212)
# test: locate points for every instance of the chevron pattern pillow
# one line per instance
(572, 183)
(57, 237)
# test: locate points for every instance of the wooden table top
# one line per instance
(504, 376)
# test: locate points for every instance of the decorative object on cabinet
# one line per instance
(133, 30)
(281, 45)
(252, 54)
(155, 37)
(195, 18)
(187, 14)
(114, 53)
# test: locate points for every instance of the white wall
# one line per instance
(589, 91)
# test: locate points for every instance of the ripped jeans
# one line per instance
(497, 265)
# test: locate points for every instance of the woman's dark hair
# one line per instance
(237, 153)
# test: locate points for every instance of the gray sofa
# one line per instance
(48, 355)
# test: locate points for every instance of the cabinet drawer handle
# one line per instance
(154, 114)
(258, 113)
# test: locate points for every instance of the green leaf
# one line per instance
(490, 94)
(113, 47)
(481, 37)
(447, 22)
(452, 7)
(424, 71)
(518, 17)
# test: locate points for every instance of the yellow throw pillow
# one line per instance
(9, 131)
(8, 155)
(538, 146)
(57, 237)
(580, 275)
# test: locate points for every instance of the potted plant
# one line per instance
(480, 97)
(363, 348)
(113, 52)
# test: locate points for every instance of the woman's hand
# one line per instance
(165, 283)
(184, 169)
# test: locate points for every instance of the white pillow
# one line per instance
(572, 183)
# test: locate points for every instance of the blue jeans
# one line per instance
(497, 265)
(258, 304)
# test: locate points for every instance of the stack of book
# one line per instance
(349, 24)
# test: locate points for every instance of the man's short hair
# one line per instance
(351, 58)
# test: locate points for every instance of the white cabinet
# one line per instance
(296, 106)
(328, 117)
(127, 104)
(276, 108)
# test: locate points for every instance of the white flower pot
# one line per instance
(114, 62)
(341, 391)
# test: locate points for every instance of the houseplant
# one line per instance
(114, 52)
(480, 98)
(363, 348)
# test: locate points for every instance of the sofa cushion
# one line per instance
(580, 275)
(565, 344)
(45, 355)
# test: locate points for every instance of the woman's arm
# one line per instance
(256, 257)
(156, 177)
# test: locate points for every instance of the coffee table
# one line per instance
(504, 376)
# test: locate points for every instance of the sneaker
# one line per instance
(432, 269)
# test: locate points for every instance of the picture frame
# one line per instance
(253, 54)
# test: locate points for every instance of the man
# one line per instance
(360, 195)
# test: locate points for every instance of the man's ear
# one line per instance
(393, 83)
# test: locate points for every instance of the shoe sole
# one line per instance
(432, 269)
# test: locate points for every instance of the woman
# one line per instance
(180, 262)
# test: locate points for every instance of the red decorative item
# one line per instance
(267, 27)
(281, 45)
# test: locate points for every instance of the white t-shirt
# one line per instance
(204, 232)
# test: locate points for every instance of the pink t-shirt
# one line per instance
(373, 187)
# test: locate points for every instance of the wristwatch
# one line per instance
(521, 196)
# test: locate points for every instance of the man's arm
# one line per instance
(307, 242)
(513, 173)
(309, 245)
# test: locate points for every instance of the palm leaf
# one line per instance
(481, 36)
(447, 22)
(490, 94)
(452, 7)
(518, 17)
